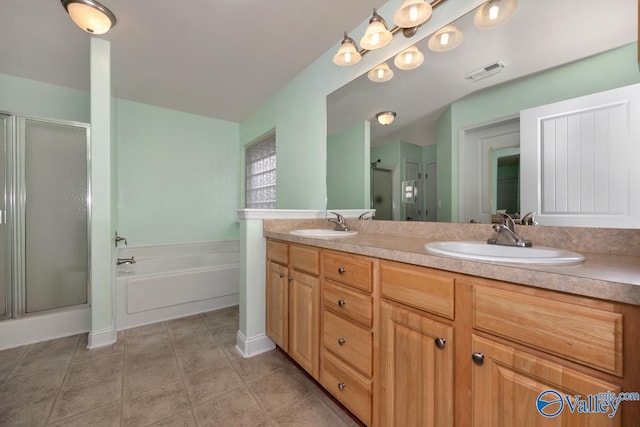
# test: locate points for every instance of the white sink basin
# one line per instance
(322, 232)
(481, 251)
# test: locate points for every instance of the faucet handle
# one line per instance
(507, 220)
(339, 217)
(529, 219)
(365, 215)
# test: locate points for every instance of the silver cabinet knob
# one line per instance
(440, 342)
(341, 341)
(342, 302)
(290, 278)
(478, 358)
(281, 275)
(341, 270)
(341, 386)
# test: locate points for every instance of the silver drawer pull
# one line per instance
(341, 270)
(281, 275)
(341, 341)
(341, 386)
(342, 302)
(478, 358)
(440, 342)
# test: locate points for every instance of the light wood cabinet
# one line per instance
(304, 297)
(406, 345)
(293, 302)
(278, 304)
(507, 383)
(416, 369)
(347, 331)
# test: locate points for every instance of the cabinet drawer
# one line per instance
(584, 334)
(352, 270)
(351, 304)
(304, 258)
(351, 343)
(278, 252)
(418, 287)
(347, 386)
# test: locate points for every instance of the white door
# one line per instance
(412, 211)
(580, 160)
(430, 192)
(476, 178)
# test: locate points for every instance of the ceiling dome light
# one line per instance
(385, 118)
(409, 58)
(347, 53)
(412, 13)
(445, 38)
(494, 13)
(380, 74)
(90, 15)
(377, 34)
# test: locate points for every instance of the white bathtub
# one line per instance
(176, 280)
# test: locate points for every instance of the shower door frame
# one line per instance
(15, 199)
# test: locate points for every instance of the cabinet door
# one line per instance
(507, 384)
(416, 375)
(304, 331)
(277, 305)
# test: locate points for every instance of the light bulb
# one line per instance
(347, 57)
(444, 39)
(408, 58)
(380, 73)
(413, 13)
(493, 12)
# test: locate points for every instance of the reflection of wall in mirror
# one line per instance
(568, 81)
(348, 168)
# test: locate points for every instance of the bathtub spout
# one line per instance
(126, 261)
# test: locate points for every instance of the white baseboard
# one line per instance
(102, 337)
(253, 346)
(43, 327)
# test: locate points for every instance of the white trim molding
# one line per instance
(280, 214)
(253, 346)
(102, 338)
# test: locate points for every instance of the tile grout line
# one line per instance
(64, 377)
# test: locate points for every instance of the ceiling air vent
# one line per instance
(484, 72)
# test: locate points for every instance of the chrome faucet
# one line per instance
(506, 233)
(126, 261)
(365, 215)
(529, 219)
(340, 225)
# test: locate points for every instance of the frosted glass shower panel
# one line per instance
(55, 174)
(4, 126)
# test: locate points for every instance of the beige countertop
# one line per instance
(607, 276)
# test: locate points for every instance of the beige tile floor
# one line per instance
(183, 372)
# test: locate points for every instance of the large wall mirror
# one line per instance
(457, 137)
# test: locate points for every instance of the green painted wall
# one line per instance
(43, 100)
(606, 71)
(178, 176)
(429, 153)
(348, 168)
(298, 111)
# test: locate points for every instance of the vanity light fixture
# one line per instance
(409, 58)
(348, 53)
(494, 13)
(91, 16)
(380, 74)
(377, 34)
(412, 13)
(385, 118)
(446, 38)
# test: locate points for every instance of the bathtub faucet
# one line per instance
(126, 261)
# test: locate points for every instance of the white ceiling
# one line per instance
(542, 34)
(218, 58)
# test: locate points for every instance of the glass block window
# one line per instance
(260, 178)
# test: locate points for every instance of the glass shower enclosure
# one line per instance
(44, 225)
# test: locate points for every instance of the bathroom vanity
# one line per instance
(401, 337)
